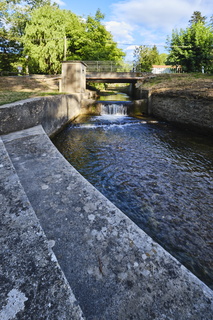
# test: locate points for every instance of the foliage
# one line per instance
(192, 48)
(197, 17)
(145, 57)
(13, 18)
(163, 58)
(10, 51)
(44, 38)
(46, 35)
(94, 42)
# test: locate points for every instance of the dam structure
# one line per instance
(67, 252)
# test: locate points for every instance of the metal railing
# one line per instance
(108, 66)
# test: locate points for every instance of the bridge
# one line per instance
(115, 77)
(75, 75)
(111, 72)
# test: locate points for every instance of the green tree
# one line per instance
(197, 17)
(192, 48)
(14, 15)
(163, 58)
(9, 51)
(44, 39)
(145, 57)
(95, 42)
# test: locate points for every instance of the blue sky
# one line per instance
(141, 22)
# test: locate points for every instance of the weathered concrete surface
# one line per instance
(115, 270)
(32, 285)
(73, 78)
(192, 111)
(51, 112)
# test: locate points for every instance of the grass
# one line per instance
(19, 88)
(179, 80)
(13, 96)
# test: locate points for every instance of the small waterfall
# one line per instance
(114, 109)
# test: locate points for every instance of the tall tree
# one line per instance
(14, 15)
(9, 52)
(197, 17)
(192, 48)
(44, 38)
(145, 57)
(95, 42)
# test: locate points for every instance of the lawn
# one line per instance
(19, 88)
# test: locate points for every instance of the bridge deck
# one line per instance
(121, 77)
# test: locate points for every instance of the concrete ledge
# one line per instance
(115, 270)
(51, 112)
(32, 283)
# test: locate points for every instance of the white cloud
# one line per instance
(122, 31)
(59, 2)
(164, 15)
(149, 22)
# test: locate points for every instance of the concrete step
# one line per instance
(116, 271)
(32, 284)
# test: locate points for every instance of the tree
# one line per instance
(163, 58)
(197, 17)
(95, 42)
(44, 38)
(14, 15)
(9, 51)
(47, 35)
(192, 48)
(145, 57)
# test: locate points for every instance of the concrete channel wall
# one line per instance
(186, 110)
(66, 251)
(189, 111)
(51, 112)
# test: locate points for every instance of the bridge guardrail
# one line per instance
(108, 66)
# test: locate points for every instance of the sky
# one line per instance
(141, 22)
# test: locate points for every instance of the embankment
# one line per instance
(190, 109)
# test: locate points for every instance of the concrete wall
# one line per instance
(189, 111)
(115, 270)
(51, 112)
(73, 78)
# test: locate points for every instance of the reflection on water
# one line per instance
(113, 97)
(159, 176)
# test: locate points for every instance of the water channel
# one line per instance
(159, 176)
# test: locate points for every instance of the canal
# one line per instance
(161, 177)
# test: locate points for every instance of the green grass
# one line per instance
(13, 96)
(177, 78)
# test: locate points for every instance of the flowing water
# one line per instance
(159, 176)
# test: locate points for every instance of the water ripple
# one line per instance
(162, 178)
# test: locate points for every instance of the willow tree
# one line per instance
(45, 36)
(53, 34)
